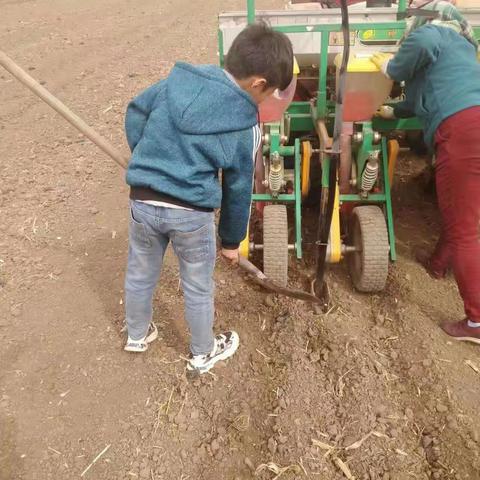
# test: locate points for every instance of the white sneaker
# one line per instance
(141, 345)
(226, 345)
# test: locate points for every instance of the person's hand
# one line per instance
(381, 61)
(386, 112)
(231, 255)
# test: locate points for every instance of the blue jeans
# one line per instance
(192, 234)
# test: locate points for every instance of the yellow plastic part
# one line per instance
(335, 240)
(393, 149)
(296, 68)
(244, 248)
(306, 156)
(358, 64)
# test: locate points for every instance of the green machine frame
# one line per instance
(303, 117)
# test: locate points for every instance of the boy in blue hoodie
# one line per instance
(182, 132)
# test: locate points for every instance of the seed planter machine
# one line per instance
(327, 145)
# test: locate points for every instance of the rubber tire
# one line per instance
(368, 232)
(275, 243)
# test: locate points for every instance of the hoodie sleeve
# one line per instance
(237, 181)
(417, 52)
(138, 111)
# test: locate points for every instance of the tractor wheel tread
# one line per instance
(275, 243)
(370, 269)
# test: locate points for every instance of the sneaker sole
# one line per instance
(135, 349)
(224, 356)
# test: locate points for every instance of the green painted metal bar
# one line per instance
(325, 171)
(365, 148)
(382, 125)
(336, 27)
(322, 78)
(299, 107)
(266, 197)
(388, 201)
(298, 202)
(274, 133)
(250, 11)
(221, 53)
(372, 198)
(283, 151)
(301, 123)
(402, 6)
(286, 151)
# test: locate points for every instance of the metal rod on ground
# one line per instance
(24, 78)
(111, 151)
(261, 279)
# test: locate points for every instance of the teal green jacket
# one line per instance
(441, 75)
(183, 130)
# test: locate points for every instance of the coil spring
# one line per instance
(275, 179)
(369, 177)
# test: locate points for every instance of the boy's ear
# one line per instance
(259, 82)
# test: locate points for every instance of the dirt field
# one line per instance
(373, 387)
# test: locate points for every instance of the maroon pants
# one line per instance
(457, 175)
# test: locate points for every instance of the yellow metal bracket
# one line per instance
(306, 156)
(244, 248)
(335, 241)
(393, 148)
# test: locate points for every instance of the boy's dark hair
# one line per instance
(259, 50)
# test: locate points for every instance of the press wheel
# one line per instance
(275, 243)
(368, 264)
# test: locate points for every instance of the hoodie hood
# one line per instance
(202, 100)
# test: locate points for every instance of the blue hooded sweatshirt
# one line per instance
(441, 75)
(182, 131)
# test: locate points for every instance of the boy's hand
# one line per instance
(231, 255)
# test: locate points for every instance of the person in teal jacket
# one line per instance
(437, 60)
(194, 138)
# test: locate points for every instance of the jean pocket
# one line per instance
(194, 246)
(138, 232)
